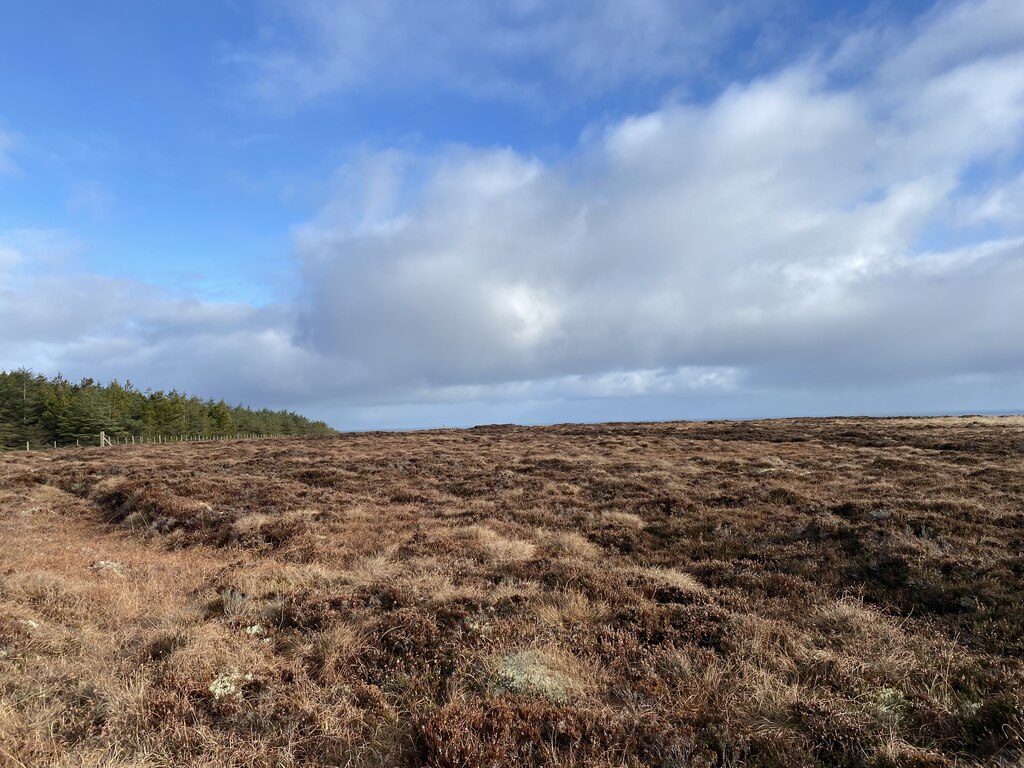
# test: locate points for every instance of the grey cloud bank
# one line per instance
(793, 246)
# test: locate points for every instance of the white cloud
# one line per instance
(775, 231)
(510, 49)
(36, 250)
(951, 34)
(790, 239)
(1001, 205)
(57, 317)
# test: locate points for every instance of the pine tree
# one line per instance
(41, 411)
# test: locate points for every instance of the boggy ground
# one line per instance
(786, 593)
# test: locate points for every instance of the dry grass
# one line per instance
(673, 579)
(625, 519)
(492, 547)
(811, 592)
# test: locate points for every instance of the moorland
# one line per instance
(842, 592)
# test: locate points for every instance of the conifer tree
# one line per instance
(41, 411)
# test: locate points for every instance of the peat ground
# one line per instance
(839, 592)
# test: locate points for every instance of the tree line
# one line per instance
(41, 410)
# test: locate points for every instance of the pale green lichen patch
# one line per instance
(533, 673)
(230, 684)
(109, 566)
(890, 704)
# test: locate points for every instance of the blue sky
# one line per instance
(414, 213)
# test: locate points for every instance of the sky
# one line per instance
(407, 214)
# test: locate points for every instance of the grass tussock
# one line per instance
(812, 592)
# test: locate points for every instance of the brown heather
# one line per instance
(809, 592)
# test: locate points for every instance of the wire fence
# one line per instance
(122, 440)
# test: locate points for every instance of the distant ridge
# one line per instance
(43, 411)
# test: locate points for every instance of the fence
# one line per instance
(105, 440)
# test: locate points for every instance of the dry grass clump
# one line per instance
(371, 569)
(672, 579)
(494, 547)
(568, 544)
(570, 608)
(837, 592)
(336, 650)
(624, 519)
